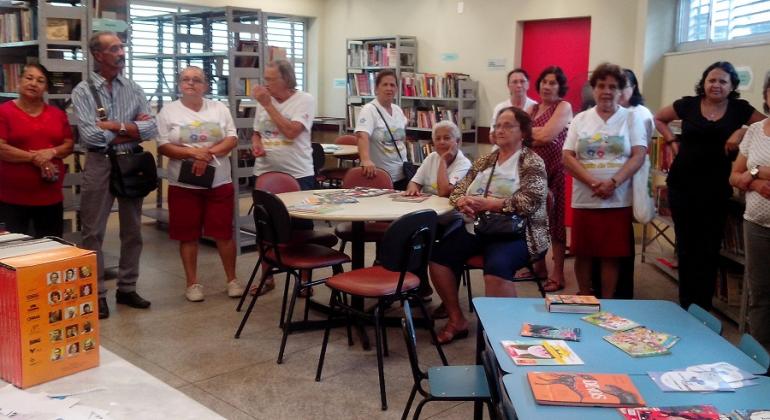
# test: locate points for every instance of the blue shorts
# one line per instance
(502, 258)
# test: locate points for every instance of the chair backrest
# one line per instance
(753, 349)
(407, 243)
(407, 327)
(319, 157)
(348, 139)
(354, 177)
(705, 318)
(276, 183)
(271, 219)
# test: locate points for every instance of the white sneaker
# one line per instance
(235, 289)
(194, 293)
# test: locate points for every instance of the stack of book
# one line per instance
(429, 85)
(18, 26)
(49, 326)
(572, 304)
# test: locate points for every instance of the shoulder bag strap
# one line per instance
(491, 173)
(101, 112)
(389, 133)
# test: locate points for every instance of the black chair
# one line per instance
(446, 383)
(319, 160)
(403, 251)
(276, 249)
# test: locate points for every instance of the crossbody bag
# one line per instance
(410, 169)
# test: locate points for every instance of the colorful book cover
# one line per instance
(690, 412)
(572, 304)
(642, 342)
(610, 321)
(549, 332)
(687, 381)
(584, 389)
(734, 376)
(541, 353)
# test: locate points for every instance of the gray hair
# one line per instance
(95, 42)
(453, 130)
(287, 72)
(196, 68)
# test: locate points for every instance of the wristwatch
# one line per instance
(123, 131)
(754, 172)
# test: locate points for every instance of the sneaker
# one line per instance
(194, 293)
(235, 289)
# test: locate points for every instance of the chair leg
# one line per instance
(309, 291)
(348, 320)
(470, 290)
(342, 246)
(431, 328)
(287, 323)
(380, 361)
(384, 329)
(248, 285)
(490, 410)
(418, 410)
(332, 304)
(251, 305)
(409, 402)
(283, 302)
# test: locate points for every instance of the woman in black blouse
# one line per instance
(698, 188)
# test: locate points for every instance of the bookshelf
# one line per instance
(228, 44)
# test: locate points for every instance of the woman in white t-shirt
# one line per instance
(444, 167)
(200, 132)
(381, 132)
(751, 173)
(518, 84)
(605, 146)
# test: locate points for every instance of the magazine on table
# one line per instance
(642, 342)
(584, 389)
(691, 412)
(610, 321)
(541, 352)
(688, 381)
(549, 332)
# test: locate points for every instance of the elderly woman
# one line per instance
(751, 173)
(509, 181)
(444, 167)
(550, 119)
(698, 187)
(518, 85)
(605, 146)
(381, 131)
(34, 138)
(197, 135)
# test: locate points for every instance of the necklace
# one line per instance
(712, 111)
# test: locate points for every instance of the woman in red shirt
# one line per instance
(34, 138)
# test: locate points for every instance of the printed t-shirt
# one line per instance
(427, 173)
(381, 149)
(528, 104)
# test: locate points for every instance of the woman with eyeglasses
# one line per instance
(509, 181)
(34, 138)
(197, 135)
(605, 146)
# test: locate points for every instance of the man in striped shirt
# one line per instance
(128, 122)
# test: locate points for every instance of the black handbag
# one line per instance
(499, 225)
(409, 168)
(186, 175)
(133, 174)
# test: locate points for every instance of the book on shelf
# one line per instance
(661, 154)
(249, 46)
(642, 342)
(540, 352)
(353, 112)
(275, 53)
(355, 53)
(57, 29)
(550, 332)
(692, 412)
(431, 85)
(610, 321)
(18, 25)
(584, 389)
(572, 304)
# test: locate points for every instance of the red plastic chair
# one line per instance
(373, 231)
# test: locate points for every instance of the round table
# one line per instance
(381, 208)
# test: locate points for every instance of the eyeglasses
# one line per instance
(506, 127)
(194, 81)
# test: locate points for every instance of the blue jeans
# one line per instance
(757, 239)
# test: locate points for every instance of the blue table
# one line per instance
(517, 387)
(501, 319)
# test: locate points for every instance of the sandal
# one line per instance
(268, 286)
(447, 335)
(553, 286)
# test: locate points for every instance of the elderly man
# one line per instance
(127, 123)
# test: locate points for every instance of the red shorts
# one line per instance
(602, 232)
(195, 211)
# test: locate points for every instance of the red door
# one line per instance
(565, 43)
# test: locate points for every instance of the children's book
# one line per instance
(734, 376)
(693, 412)
(688, 381)
(584, 389)
(541, 353)
(610, 321)
(547, 331)
(572, 304)
(642, 342)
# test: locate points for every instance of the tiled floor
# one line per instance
(191, 347)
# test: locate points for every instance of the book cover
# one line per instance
(584, 389)
(541, 353)
(755, 414)
(641, 342)
(691, 412)
(734, 376)
(688, 381)
(610, 321)
(572, 304)
(547, 331)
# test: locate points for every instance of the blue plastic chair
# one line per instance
(706, 318)
(753, 349)
(446, 383)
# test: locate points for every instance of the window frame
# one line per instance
(682, 27)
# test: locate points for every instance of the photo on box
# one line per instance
(54, 316)
(55, 335)
(53, 277)
(86, 308)
(69, 275)
(88, 344)
(86, 290)
(85, 271)
(54, 297)
(70, 293)
(71, 331)
(56, 354)
(87, 327)
(70, 312)
(73, 349)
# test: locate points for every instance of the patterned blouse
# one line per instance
(528, 201)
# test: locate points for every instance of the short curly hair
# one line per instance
(765, 96)
(524, 120)
(561, 78)
(725, 66)
(604, 70)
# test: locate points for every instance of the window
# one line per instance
(288, 34)
(704, 23)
